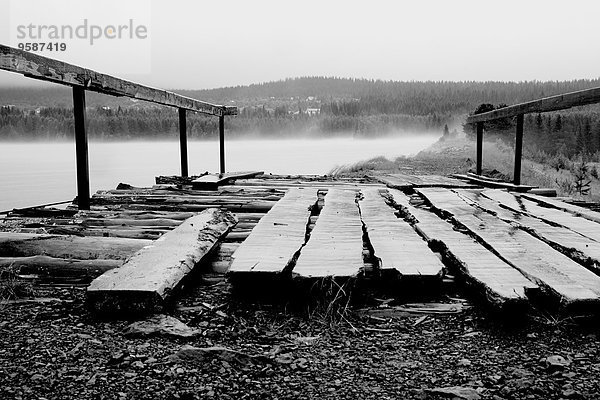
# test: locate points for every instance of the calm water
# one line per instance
(38, 173)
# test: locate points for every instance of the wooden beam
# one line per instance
(479, 147)
(553, 103)
(81, 149)
(222, 144)
(518, 150)
(147, 279)
(47, 69)
(183, 142)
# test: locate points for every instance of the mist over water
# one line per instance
(43, 172)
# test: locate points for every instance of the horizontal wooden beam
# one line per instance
(47, 69)
(553, 103)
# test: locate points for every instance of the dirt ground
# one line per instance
(57, 350)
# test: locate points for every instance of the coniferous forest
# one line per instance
(314, 106)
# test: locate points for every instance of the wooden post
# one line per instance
(518, 150)
(479, 146)
(183, 142)
(81, 149)
(222, 142)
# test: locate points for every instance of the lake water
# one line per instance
(37, 173)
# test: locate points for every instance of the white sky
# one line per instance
(205, 44)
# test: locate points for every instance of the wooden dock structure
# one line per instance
(511, 247)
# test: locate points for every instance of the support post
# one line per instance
(222, 143)
(518, 150)
(183, 142)
(81, 149)
(479, 146)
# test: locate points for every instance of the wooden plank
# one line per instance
(47, 69)
(395, 243)
(406, 181)
(479, 151)
(147, 279)
(518, 150)
(558, 274)
(494, 183)
(552, 103)
(577, 224)
(212, 181)
(562, 205)
(183, 148)
(499, 282)
(335, 246)
(578, 247)
(61, 246)
(276, 240)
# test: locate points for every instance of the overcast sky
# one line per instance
(204, 44)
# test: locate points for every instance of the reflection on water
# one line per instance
(37, 173)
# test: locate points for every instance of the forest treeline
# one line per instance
(316, 106)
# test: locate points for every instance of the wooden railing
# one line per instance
(553, 103)
(82, 79)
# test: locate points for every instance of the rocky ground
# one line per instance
(246, 350)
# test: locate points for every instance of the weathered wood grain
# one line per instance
(573, 244)
(147, 279)
(500, 283)
(48, 69)
(552, 103)
(276, 240)
(335, 246)
(406, 181)
(213, 181)
(556, 273)
(395, 243)
(562, 205)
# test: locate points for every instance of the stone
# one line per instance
(161, 325)
(556, 362)
(456, 392)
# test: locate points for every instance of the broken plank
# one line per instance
(562, 205)
(63, 246)
(213, 181)
(395, 243)
(558, 274)
(578, 247)
(276, 240)
(553, 215)
(335, 246)
(147, 279)
(501, 284)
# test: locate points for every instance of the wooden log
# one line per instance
(213, 181)
(161, 222)
(147, 279)
(552, 103)
(50, 267)
(564, 206)
(569, 282)
(484, 181)
(58, 246)
(395, 244)
(276, 240)
(500, 284)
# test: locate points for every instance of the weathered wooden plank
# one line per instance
(552, 103)
(501, 284)
(147, 279)
(405, 181)
(335, 246)
(48, 69)
(395, 243)
(578, 247)
(577, 224)
(48, 268)
(60, 246)
(563, 205)
(494, 183)
(213, 181)
(559, 275)
(276, 240)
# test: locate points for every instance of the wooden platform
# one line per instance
(409, 181)
(513, 248)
